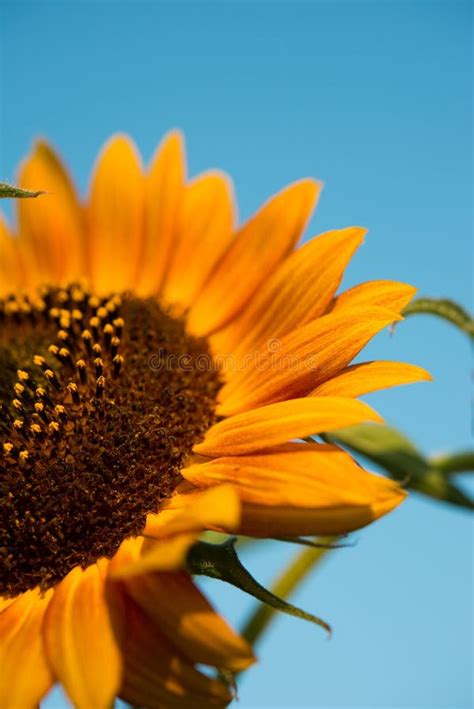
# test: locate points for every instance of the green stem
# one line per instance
(455, 463)
(443, 308)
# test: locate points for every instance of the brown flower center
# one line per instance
(101, 401)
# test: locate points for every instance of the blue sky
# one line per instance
(374, 98)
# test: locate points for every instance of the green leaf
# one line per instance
(443, 308)
(298, 569)
(385, 446)
(12, 192)
(400, 458)
(220, 561)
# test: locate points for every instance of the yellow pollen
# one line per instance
(99, 366)
(19, 389)
(119, 324)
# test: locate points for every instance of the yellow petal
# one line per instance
(385, 294)
(80, 640)
(262, 521)
(298, 292)
(25, 675)
(51, 226)
(159, 555)
(170, 533)
(156, 674)
(12, 276)
(277, 423)
(184, 615)
(5, 602)
(129, 550)
(300, 489)
(205, 227)
(164, 194)
(116, 217)
(303, 359)
(360, 379)
(215, 508)
(257, 249)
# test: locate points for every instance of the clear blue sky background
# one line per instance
(374, 99)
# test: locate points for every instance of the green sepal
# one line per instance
(443, 308)
(220, 561)
(12, 192)
(400, 458)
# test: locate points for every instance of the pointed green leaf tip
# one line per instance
(220, 561)
(12, 192)
(294, 573)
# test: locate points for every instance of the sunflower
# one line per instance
(159, 370)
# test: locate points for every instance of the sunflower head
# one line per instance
(160, 368)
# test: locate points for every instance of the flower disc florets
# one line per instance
(98, 415)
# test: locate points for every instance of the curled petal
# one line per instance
(300, 489)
